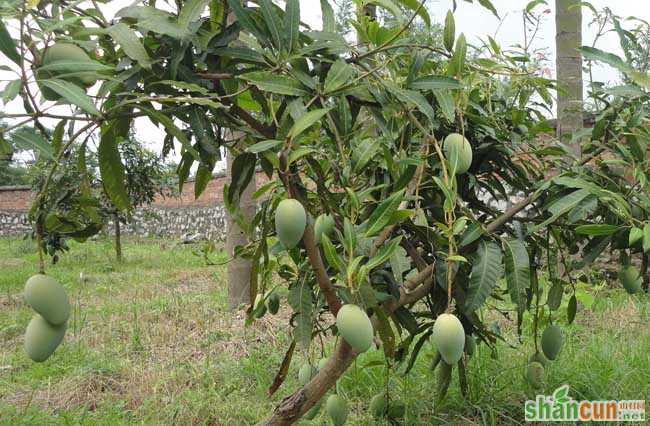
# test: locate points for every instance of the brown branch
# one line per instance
(266, 131)
(215, 75)
(295, 405)
(413, 254)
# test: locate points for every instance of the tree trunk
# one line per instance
(118, 238)
(568, 23)
(239, 269)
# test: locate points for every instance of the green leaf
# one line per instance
(436, 82)
(70, 68)
(57, 136)
(300, 299)
(306, 121)
(245, 20)
(517, 270)
(488, 5)
(487, 268)
(646, 238)
(571, 309)
(7, 44)
(457, 62)
(329, 22)
(447, 105)
(594, 54)
(382, 214)
(412, 97)
(291, 23)
(73, 94)
(264, 146)
(203, 177)
(384, 253)
(244, 54)
(416, 5)
(636, 234)
(11, 91)
(242, 171)
(332, 256)
(191, 12)
(272, 21)
(127, 38)
(111, 168)
(28, 138)
(596, 229)
(274, 83)
(171, 128)
(561, 207)
(339, 75)
(554, 298)
(449, 34)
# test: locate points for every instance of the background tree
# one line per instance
(146, 178)
(568, 40)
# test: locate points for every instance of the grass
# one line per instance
(151, 342)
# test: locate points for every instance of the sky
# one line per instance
(472, 19)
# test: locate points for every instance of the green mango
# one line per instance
(47, 297)
(42, 338)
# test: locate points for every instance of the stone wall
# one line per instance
(179, 215)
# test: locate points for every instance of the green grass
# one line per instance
(151, 342)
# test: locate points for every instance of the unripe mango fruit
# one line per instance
(259, 308)
(449, 337)
(538, 357)
(46, 296)
(552, 339)
(337, 409)
(324, 226)
(42, 338)
(458, 152)
(379, 405)
(306, 373)
(65, 52)
(355, 327)
(630, 278)
(535, 374)
(290, 222)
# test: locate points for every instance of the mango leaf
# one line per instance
(306, 121)
(560, 207)
(419, 8)
(488, 5)
(446, 102)
(329, 22)
(73, 94)
(111, 168)
(291, 24)
(272, 21)
(412, 97)
(386, 333)
(11, 90)
(244, 54)
(300, 298)
(596, 229)
(203, 177)
(646, 238)
(384, 253)
(57, 136)
(435, 82)
(191, 12)
(571, 309)
(594, 54)
(636, 234)
(382, 214)
(7, 44)
(517, 270)
(70, 68)
(246, 21)
(274, 83)
(28, 138)
(449, 34)
(487, 268)
(242, 171)
(332, 256)
(264, 146)
(126, 37)
(339, 75)
(171, 128)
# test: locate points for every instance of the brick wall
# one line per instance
(167, 216)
